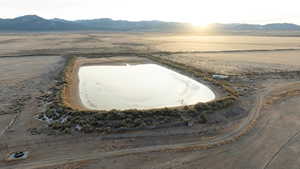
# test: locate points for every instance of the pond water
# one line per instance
(143, 86)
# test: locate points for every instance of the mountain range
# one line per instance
(36, 23)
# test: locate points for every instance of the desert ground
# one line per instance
(262, 132)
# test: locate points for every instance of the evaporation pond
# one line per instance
(142, 86)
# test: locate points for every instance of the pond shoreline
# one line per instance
(67, 115)
(71, 95)
(140, 86)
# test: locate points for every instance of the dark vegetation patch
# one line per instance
(10, 41)
(65, 118)
(129, 44)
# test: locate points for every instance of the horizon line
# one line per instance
(182, 22)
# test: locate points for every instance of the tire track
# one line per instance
(245, 126)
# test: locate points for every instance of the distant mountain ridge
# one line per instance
(273, 26)
(36, 23)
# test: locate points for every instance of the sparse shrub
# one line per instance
(108, 121)
(56, 125)
(203, 117)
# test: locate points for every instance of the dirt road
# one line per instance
(267, 138)
(256, 140)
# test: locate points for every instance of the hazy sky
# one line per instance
(195, 11)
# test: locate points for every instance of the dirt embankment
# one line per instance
(70, 94)
(272, 142)
(70, 115)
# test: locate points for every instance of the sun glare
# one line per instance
(200, 21)
(200, 24)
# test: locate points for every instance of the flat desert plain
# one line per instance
(261, 132)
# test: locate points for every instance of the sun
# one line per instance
(199, 23)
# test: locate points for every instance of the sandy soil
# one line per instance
(71, 95)
(273, 144)
(21, 78)
(268, 137)
(89, 42)
(234, 63)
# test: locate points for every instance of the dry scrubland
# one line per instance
(261, 131)
(234, 63)
(64, 43)
(225, 54)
